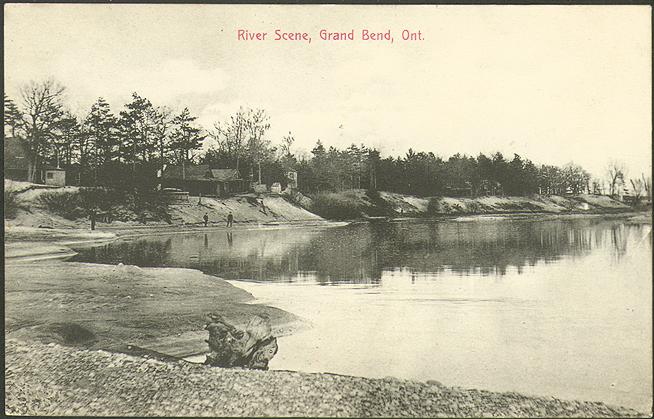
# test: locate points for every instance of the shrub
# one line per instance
(11, 205)
(473, 207)
(335, 207)
(434, 206)
(65, 204)
(122, 205)
(379, 206)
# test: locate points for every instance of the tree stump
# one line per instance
(233, 347)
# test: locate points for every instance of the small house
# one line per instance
(276, 187)
(55, 176)
(203, 180)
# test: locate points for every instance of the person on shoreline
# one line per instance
(92, 217)
(230, 219)
(206, 219)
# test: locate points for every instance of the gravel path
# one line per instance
(57, 380)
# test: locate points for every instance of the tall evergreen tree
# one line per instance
(185, 138)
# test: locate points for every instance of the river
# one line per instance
(538, 305)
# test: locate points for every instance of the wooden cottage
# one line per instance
(203, 180)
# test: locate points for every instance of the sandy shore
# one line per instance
(56, 380)
(111, 306)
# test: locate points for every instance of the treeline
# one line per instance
(100, 147)
(127, 148)
(425, 174)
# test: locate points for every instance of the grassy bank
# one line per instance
(31, 205)
(359, 203)
(55, 380)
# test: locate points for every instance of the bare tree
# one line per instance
(638, 186)
(615, 175)
(647, 185)
(287, 143)
(598, 186)
(257, 123)
(42, 104)
(231, 136)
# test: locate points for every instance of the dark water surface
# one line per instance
(361, 253)
(556, 307)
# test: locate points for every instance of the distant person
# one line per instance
(230, 239)
(92, 218)
(206, 219)
(230, 219)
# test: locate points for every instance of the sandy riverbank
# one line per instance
(116, 306)
(56, 380)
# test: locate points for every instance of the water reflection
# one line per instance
(361, 253)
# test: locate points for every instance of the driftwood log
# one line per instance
(230, 346)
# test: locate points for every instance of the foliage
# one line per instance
(185, 137)
(120, 204)
(335, 206)
(379, 206)
(10, 205)
(435, 206)
(67, 204)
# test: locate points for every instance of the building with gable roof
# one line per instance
(203, 180)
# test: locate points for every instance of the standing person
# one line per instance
(206, 219)
(230, 219)
(92, 217)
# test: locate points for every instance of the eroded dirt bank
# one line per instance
(361, 203)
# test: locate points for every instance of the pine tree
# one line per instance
(136, 124)
(185, 138)
(13, 117)
(101, 127)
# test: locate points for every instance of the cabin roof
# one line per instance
(225, 175)
(201, 172)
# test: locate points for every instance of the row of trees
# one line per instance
(106, 148)
(100, 144)
(425, 174)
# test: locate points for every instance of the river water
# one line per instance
(558, 307)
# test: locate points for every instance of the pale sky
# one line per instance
(552, 83)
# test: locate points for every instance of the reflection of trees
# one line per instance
(359, 253)
(143, 252)
(486, 248)
(619, 240)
